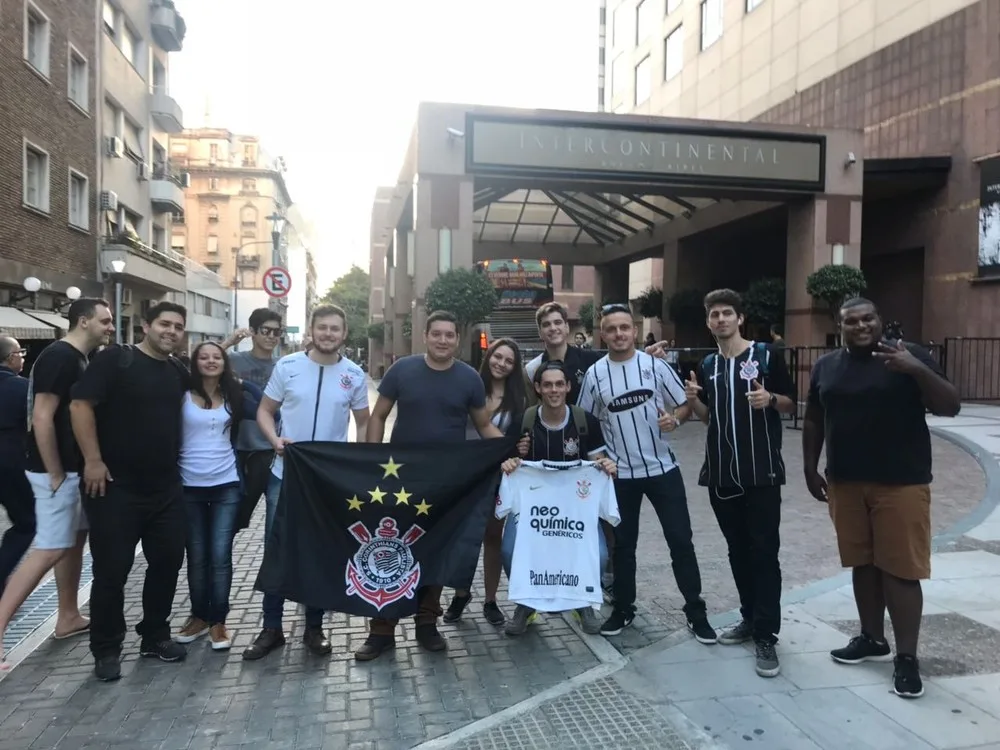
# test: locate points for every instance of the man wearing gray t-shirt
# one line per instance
(434, 395)
(254, 452)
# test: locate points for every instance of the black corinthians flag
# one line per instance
(360, 527)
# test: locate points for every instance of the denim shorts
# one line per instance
(59, 515)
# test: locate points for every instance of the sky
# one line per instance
(333, 87)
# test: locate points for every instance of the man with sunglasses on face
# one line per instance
(254, 452)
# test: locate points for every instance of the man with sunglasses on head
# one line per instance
(254, 452)
(638, 398)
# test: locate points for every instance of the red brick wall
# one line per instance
(934, 93)
(41, 111)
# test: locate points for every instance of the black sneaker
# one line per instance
(166, 650)
(493, 614)
(767, 659)
(741, 632)
(906, 682)
(862, 648)
(108, 668)
(457, 607)
(617, 622)
(703, 632)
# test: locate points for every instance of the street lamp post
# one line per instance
(118, 266)
(277, 227)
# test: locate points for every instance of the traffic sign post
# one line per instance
(277, 282)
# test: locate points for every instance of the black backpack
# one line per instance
(579, 419)
(128, 357)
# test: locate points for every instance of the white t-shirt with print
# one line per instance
(316, 400)
(556, 565)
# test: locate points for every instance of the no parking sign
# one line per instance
(277, 281)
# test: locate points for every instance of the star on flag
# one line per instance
(391, 469)
(353, 503)
(377, 495)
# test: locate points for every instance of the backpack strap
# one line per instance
(528, 420)
(761, 356)
(579, 419)
(708, 366)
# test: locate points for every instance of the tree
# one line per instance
(764, 301)
(687, 307)
(351, 292)
(376, 331)
(833, 285)
(468, 295)
(588, 314)
(650, 303)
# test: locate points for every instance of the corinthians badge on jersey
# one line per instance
(748, 370)
(383, 570)
(583, 488)
(571, 446)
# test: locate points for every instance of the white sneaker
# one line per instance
(193, 629)
(221, 640)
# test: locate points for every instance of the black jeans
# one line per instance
(119, 521)
(667, 496)
(749, 521)
(19, 501)
(255, 472)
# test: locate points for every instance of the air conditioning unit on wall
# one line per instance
(143, 172)
(126, 296)
(109, 200)
(116, 147)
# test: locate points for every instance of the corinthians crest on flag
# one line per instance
(361, 527)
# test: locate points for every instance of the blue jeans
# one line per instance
(211, 524)
(510, 537)
(274, 606)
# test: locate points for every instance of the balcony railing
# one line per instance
(164, 257)
(248, 261)
(167, 170)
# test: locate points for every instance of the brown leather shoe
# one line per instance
(374, 646)
(429, 637)
(316, 641)
(268, 640)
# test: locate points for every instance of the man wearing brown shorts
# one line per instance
(868, 403)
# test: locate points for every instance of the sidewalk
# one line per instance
(816, 703)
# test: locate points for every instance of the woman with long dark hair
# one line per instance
(502, 372)
(212, 411)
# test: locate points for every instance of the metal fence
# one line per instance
(973, 365)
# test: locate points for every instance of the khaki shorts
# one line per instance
(888, 526)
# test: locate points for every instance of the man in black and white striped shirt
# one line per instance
(638, 398)
(739, 392)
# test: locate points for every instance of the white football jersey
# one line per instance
(556, 564)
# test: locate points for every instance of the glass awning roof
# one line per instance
(571, 217)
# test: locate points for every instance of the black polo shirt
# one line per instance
(874, 420)
(577, 362)
(743, 446)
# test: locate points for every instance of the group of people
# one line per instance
(177, 460)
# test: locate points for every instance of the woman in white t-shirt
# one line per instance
(502, 371)
(213, 408)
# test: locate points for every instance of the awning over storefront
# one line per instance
(51, 318)
(18, 324)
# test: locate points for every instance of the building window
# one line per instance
(444, 250)
(213, 213)
(249, 156)
(619, 70)
(79, 204)
(711, 22)
(673, 5)
(250, 185)
(566, 283)
(751, 4)
(213, 184)
(213, 267)
(248, 216)
(673, 53)
(213, 245)
(646, 20)
(619, 26)
(213, 151)
(130, 42)
(177, 243)
(37, 32)
(109, 15)
(113, 119)
(78, 79)
(36, 177)
(159, 238)
(643, 84)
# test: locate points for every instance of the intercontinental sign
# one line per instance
(689, 157)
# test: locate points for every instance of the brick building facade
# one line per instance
(48, 147)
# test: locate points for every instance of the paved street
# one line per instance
(652, 688)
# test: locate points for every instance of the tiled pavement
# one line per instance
(668, 695)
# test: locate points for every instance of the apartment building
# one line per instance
(919, 78)
(48, 163)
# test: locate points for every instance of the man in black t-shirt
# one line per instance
(868, 403)
(559, 432)
(553, 329)
(52, 466)
(740, 392)
(126, 415)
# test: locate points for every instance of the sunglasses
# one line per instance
(274, 332)
(22, 352)
(616, 307)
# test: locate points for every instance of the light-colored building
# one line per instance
(916, 77)
(140, 189)
(209, 305)
(234, 190)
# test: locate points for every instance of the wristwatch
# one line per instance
(773, 402)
